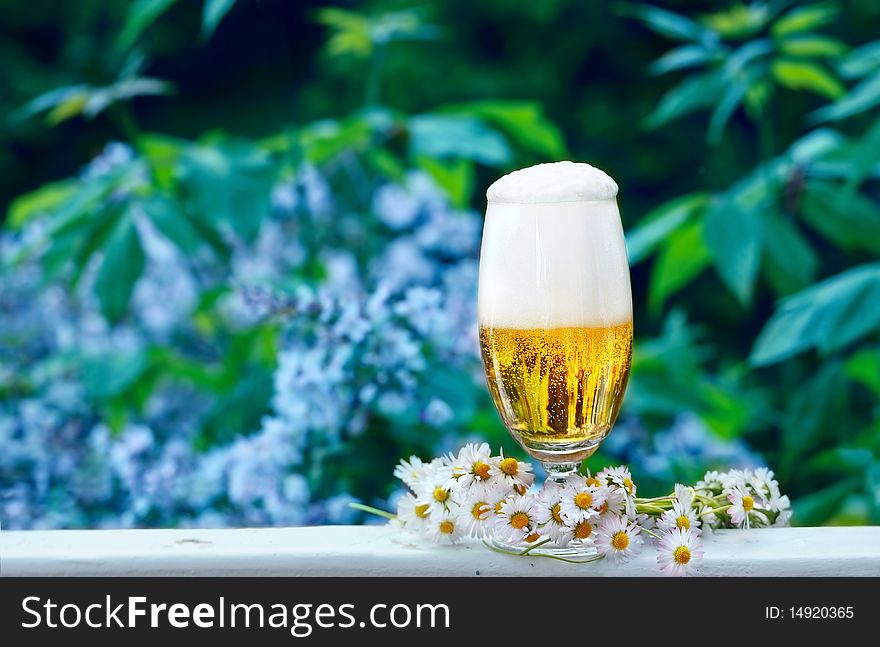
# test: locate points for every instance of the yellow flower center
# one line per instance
(748, 503)
(422, 510)
(583, 530)
(446, 527)
(683, 522)
(479, 509)
(481, 469)
(556, 513)
(519, 489)
(594, 482)
(620, 540)
(510, 466)
(532, 537)
(583, 500)
(440, 494)
(682, 555)
(628, 484)
(498, 506)
(520, 520)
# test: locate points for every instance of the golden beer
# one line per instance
(557, 386)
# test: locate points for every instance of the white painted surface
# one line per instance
(374, 550)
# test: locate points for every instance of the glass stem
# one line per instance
(558, 472)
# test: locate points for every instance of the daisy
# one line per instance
(684, 494)
(548, 513)
(580, 501)
(593, 480)
(708, 519)
(735, 479)
(613, 500)
(412, 514)
(517, 518)
(741, 504)
(679, 552)
(445, 528)
(681, 517)
(472, 465)
(711, 481)
(617, 539)
(435, 488)
(410, 471)
(621, 477)
(582, 530)
(517, 474)
(477, 512)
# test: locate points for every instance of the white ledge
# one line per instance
(375, 550)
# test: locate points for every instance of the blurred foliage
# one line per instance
(744, 137)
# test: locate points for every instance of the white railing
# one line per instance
(375, 550)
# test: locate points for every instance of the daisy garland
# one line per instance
(473, 495)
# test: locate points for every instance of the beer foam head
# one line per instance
(553, 182)
(554, 265)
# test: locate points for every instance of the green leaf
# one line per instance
(121, 267)
(659, 223)
(740, 20)
(848, 219)
(789, 259)
(732, 98)
(141, 14)
(522, 121)
(455, 176)
(449, 136)
(213, 12)
(227, 185)
(696, 92)
(827, 316)
(683, 57)
(802, 75)
(864, 367)
(861, 61)
(803, 19)
(171, 221)
(106, 376)
(684, 256)
(816, 508)
(39, 202)
(666, 23)
(734, 237)
(864, 96)
(811, 46)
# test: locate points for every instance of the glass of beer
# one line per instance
(555, 310)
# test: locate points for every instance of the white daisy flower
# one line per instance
(782, 506)
(681, 517)
(621, 477)
(735, 479)
(436, 488)
(613, 500)
(477, 512)
(741, 504)
(472, 466)
(548, 513)
(617, 539)
(645, 521)
(445, 528)
(411, 471)
(679, 552)
(684, 494)
(582, 530)
(412, 514)
(711, 481)
(593, 480)
(517, 474)
(517, 518)
(580, 501)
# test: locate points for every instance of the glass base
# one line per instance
(576, 549)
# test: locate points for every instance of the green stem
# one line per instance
(535, 545)
(372, 510)
(556, 557)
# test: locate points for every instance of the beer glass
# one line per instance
(555, 310)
